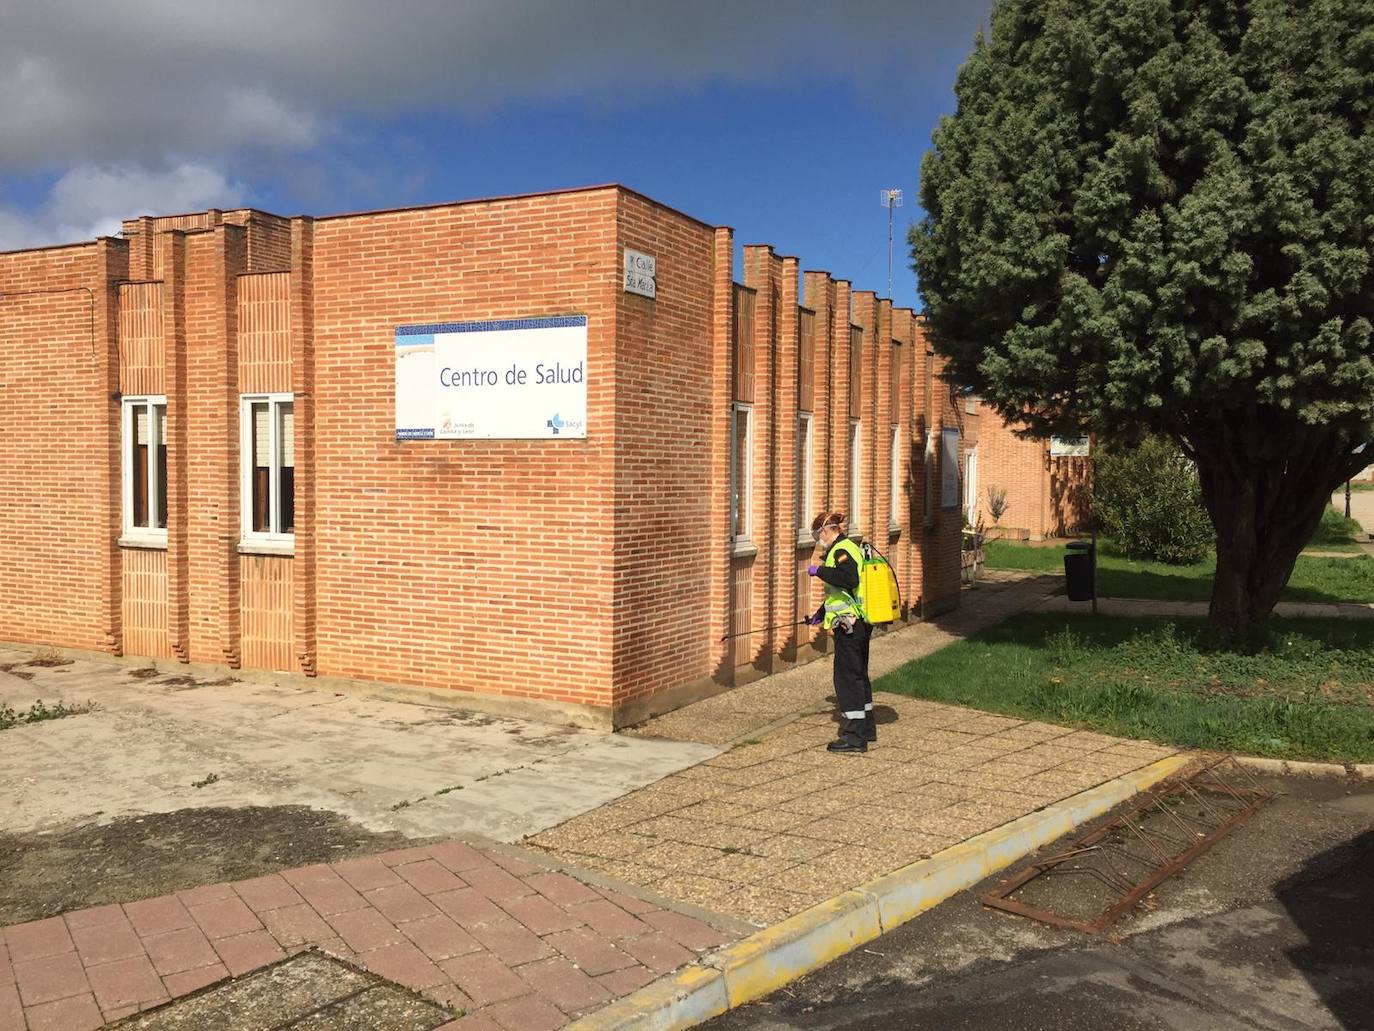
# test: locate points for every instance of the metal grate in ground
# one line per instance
(308, 992)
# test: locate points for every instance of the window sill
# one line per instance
(286, 549)
(893, 531)
(805, 541)
(743, 549)
(145, 543)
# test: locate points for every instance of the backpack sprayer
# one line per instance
(880, 594)
(879, 591)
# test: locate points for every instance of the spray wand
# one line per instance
(764, 630)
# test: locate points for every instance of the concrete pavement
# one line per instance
(391, 766)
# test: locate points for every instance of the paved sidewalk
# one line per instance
(778, 824)
(746, 711)
(1153, 607)
(515, 944)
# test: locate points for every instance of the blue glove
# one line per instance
(814, 620)
(812, 570)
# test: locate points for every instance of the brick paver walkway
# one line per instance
(514, 944)
(772, 827)
(745, 711)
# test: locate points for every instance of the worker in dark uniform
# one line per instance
(842, 613)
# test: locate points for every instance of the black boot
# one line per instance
(851, 738)
(870, 727)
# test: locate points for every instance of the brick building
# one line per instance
(202, 459)
(1046, 482)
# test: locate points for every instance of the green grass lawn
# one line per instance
(1314, 578)
(1309, 696)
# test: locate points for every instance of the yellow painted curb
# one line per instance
(777, 955)
(686, 998)
(780, 954)
(912, 890)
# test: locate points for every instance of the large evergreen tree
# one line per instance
(1158, 215)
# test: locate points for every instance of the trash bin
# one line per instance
(1078, 571)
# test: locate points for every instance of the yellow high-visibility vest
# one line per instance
(839, 602)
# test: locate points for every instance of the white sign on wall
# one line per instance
(949, 468)
(1068, 447)
(640, 270)
(507, 379)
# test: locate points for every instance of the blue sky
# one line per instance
(783, 120)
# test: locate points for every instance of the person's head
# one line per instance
(827, 527)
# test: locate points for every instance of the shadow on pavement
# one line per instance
(1331, 901)
(882, 714)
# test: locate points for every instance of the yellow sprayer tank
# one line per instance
(878, 588)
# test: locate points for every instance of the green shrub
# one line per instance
(1335, 531)
(1148, 501)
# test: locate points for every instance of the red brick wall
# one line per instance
(1016, 466)
(268, 239)
(904, 550)
(657, 578)
(474, 565)
(595, 572)
(301, 313)
(215, 259)
(58, 577)
(269, 242)
(1046, 497)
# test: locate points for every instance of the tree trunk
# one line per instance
(1264, 515)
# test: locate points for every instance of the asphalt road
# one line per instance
(1273, 929)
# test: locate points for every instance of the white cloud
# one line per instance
(136, 104)
(18, 232)
(142, 79)
(253, 114)
(91, 200)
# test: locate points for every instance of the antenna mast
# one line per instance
(890, 199)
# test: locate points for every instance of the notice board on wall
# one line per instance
(949, 468)
(503, 379)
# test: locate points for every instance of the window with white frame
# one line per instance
(895, 508)
(949, 467)
(806, 455)
(268, 491)
(856, 483)
(144, 467)
(741, 470)
(928, 480)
